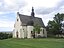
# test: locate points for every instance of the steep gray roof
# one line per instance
(28, 20)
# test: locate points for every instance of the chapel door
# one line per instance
(17, 34)
(33, 34)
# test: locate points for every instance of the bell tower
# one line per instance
(32, 13)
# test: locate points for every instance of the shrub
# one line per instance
(5, 35)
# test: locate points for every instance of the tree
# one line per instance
(36, 29)
(5, 35)
(58, 19)
(54, 26)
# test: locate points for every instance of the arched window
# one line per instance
(39, 32)
(17, 19)
(31, 32)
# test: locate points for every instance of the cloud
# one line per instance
(6, 24)
(11, 5)
(61, 3)
(45, 10)
(6, 29)
(8, 10)
(7, 21)
(44, 3)
(56, 8)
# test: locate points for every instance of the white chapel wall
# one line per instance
(24, 31)
(17, 27)
(29, 29)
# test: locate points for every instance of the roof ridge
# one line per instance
(24, 15)
(28, 16)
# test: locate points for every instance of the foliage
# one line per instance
(5, 35)
(37, 28)
(54, 27)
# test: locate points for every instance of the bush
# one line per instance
(5, 35)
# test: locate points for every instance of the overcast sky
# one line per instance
(45, 9)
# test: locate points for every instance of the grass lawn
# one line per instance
(32, 43)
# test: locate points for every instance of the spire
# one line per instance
(32, 13)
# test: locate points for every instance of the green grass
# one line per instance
(32, 43)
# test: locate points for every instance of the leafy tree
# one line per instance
(54, 27)
(5, 35)
(36, 29)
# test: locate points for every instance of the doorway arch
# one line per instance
(17, 34)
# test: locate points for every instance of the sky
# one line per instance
(45, 9)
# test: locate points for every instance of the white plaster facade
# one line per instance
(25, 31)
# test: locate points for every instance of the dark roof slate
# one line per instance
(28, 20)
